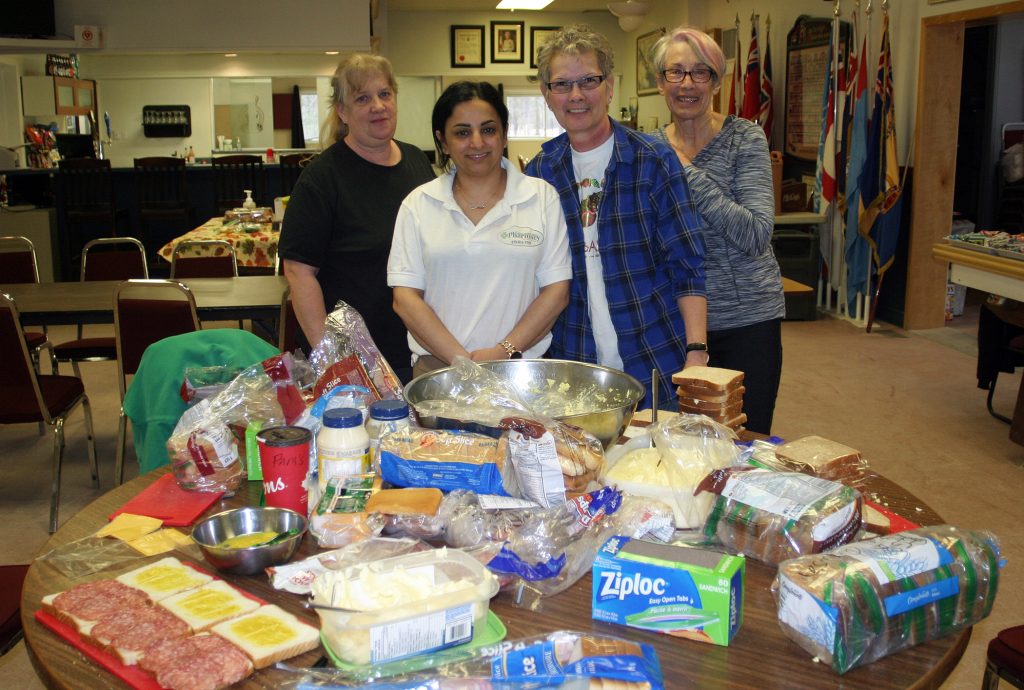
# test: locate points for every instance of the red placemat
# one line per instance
(165, 500)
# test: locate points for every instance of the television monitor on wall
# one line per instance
(75, 146)
(27, 19)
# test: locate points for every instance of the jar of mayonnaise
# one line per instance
(385, 416)
(342, 446)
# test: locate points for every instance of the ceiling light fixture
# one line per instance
(631, 13)
(230, 54)
(523, 4)
(330, 52)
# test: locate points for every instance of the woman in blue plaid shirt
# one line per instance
(636, 300)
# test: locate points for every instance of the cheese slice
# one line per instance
(128, 527)
(208, 605)
(269, 634)
(164, 577)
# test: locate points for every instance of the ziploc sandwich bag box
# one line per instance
(680, 591)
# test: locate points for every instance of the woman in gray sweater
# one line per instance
(728, 169)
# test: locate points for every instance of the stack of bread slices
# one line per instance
(713, 392)
(182, 626)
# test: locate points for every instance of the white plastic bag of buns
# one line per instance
(669, 461)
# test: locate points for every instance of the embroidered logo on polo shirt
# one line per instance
(521, 237)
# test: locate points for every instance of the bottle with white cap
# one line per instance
(385, 416)
(342, 446)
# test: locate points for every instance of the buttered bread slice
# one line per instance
(164, 578)
(269, 634)
(204, 607)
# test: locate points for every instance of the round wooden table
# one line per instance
(759, 657)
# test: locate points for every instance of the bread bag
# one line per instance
(772, 516)
(871, 598)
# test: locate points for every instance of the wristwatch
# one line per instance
(511, 350)
(696, 347)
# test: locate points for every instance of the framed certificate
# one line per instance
(539, 34)
(467, 46)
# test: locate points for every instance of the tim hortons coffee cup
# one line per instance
(284, 459)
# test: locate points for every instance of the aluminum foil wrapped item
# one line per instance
(872, 598)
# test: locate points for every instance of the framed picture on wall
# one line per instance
(507, 42)
(646, 79)
(467, 46)
(539, 34)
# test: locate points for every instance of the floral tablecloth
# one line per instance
(255, 243)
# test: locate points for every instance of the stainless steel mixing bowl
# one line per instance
(210, 532)
(599, 399)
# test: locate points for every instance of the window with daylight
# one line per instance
(529, 118)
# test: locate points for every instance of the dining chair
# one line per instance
(12, 580)
(287, 324)
(86, 191)
(1004, 659)
(203, 259)
(31, 397)
(291, 165)
(18, 265)
(106, 258)
(234, 174)
(145, 311)
(161, 192)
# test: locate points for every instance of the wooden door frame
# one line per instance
(940, 62)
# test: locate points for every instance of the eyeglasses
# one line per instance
(700, 75)
(585, 84)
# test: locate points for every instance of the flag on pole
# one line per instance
(858, 252)
(825, 177)
(765, 117)
(752, 79)
(881, 194)
(736, 92)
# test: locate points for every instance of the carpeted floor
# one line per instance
(908, 401)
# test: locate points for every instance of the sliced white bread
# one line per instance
(718, 413)
(203, 607)
(163, 578)
(736, 423)
(820, 456)
(714, 379)
(269, 634)
(707, 397)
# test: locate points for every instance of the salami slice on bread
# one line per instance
(85, 605)
(206, 661)
(868, 599)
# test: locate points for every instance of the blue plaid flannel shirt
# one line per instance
(652, 252)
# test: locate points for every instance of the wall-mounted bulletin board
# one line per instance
(807, 61)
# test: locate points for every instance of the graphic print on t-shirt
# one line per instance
(590, 190)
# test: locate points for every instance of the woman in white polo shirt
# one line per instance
(479, 262)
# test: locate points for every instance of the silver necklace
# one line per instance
(482, 205)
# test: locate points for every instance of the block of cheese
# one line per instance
(163, 578)
(204, 607)
(269, 634)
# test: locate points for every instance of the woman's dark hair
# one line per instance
(460, 92)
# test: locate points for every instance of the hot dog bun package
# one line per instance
(671, 461)
(871, 598)
(772, 516)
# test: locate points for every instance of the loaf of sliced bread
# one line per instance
(821, 457)
(203, 607)
(163, 578)
(269, 634)
(719, 413)
(711, 379)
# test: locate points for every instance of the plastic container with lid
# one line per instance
(385, 416)
(376, 612)
(342, 445)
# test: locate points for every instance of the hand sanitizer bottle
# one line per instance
(248, 204)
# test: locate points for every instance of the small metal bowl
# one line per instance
(231, 523)
(602, 399)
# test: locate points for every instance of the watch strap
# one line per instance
(696, 347)
(511, 350)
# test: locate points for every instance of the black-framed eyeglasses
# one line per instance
(585, 84)
(701, 75)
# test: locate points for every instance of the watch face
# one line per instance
(516, 355)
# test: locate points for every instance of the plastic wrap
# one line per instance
(816, 456)
(339, 517)
(772, 516)
(869, 599)
(445, 460)
(207, 446)
(298, 576)
(347, 354)
(670, 461)
(205, 382)
(563, 659)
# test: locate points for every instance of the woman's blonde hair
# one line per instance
(574, 40)
(351, 75)
(703, 46)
